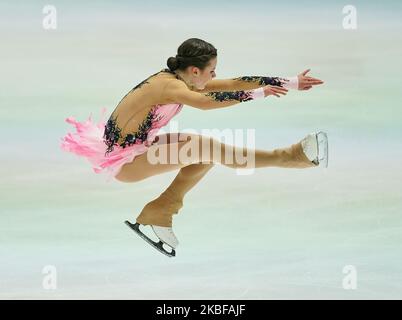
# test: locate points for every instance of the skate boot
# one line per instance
(165, 235)
(315, 147)
(159, 215)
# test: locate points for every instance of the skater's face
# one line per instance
(201, 77)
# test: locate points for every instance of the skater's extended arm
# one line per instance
(178, 92)
(299, 82)
(248, 83)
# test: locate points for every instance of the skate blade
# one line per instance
(157, 245)
(322, 140)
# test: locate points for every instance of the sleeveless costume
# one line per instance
(103, 145)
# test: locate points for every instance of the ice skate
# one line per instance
(165, 235)
(315, 147)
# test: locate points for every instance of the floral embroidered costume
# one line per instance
(149, 106)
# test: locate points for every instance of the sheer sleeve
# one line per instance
(249, 83)
(178, 92)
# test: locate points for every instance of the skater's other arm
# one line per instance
(299, 82)
(247, 83)
(178, 92)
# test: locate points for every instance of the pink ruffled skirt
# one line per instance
(88, 142)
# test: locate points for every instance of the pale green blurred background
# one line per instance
(275, 234)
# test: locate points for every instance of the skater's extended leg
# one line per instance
(194, 148)
(211, 150)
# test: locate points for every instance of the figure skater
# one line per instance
(123, 146)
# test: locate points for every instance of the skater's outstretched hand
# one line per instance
(306, 82)
(274, 90)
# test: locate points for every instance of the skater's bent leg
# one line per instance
(188, 177)
(160, 210)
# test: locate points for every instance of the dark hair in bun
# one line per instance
(192, 52)
(173, 63)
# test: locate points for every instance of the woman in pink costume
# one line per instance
(125, 146)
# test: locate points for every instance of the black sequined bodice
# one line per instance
(112, 133)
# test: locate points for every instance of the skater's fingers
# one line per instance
(315, 81)
(276, 91)
(280, 90)
(277, 88)
(309, 79)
